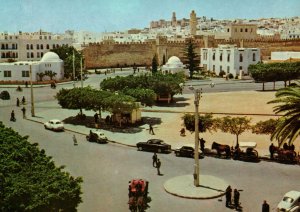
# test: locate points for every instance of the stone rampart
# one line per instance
(115, 54)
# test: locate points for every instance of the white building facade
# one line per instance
(229, 58)
(29, 46)
(20, 71)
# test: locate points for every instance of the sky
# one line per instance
(118, 15)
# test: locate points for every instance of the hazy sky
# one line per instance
(114, 15)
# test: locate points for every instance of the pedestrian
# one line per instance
(182, 132)
(12, 116)
(151, 129)
(96, 117)
(265, 207)
(24, 112)
(158, 164)
(271, 150)
(75, 140)
(228, 196)
(236, 198)
(23, 100)
(202, 144)
(154, 160)
(18, 102)
(285, 146)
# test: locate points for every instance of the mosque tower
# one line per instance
(174, 22)
(193, 23)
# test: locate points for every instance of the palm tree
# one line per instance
(288, 127)
(50, 74)
(41, 75)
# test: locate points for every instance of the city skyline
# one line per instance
(117, 15)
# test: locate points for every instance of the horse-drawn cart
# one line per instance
(246, 152)
(138, 195)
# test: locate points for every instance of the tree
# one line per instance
(50, 74)
(265, 127)
(288, 100)
(41, 75)
(206, 122)
(191, 58)
(29, 179)
(66, 54)
(145, 96)
(154, 64)
(233, 125)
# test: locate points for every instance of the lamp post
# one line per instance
(73, 60)
(197, 93)
(81, 71)
(31, 91)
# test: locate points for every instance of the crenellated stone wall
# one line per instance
(114, 54)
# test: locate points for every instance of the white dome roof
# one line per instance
(50, 57)
(174, 62)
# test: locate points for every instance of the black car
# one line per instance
(186, 151)
(154, 145)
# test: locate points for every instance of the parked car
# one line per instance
(55, 125)
(290, 202)
(186, 151)
(154, 145)
(97, 136)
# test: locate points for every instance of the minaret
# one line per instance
(174, 22)
(193, 23)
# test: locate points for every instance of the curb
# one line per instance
(186, 197)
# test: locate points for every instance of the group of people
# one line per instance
(23, 101)
(156, 163)
(285, 146)
(236, 198)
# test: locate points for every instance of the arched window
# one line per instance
(221, 57)
(57, 46)
(13, 55)
(228, 57)
(3, 55)
(2, 46)
(7, 55)
(31, 46)
(13, 46)
(27, 46)
(38, 55)
(42, 47)
(32, 55)
(6, 46)
(28, 55)
(241, 58)
(253, 57)
(37, 46)
(17, 55)
(53, 46)
(42, 54)
(47, 46)
(214, 56)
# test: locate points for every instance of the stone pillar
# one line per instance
(193, 23)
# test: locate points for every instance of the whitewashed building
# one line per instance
(229, 58)
(20, 71)
(173, 65)
(30, 46)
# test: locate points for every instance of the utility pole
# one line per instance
(73, 57)
(31, 91)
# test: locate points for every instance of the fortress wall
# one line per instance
(112, 54)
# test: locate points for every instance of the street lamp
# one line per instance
(81, 71)
(197, 93)
(31, 91)
(73, 60)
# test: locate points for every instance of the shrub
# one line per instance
(230, 76)
(4, 95)
(222, 73)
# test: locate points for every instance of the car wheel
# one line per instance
(140, 148)
(159, 150)
(45, 126)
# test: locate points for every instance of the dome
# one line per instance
(50, 57)
(174, 62)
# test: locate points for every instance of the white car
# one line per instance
(290, 202)
(55, 125)
(96, 136)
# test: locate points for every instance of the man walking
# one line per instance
(151, 129)
(154, 160)
(271, 150)
(24, 112)
(228, 196)
(236, 198)
(265, 207)
(75, 140)
(18, 102)
(158, 164)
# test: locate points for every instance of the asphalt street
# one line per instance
(106, 169)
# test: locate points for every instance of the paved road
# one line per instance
(106, 170)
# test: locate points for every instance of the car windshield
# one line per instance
(58, 122)
(288, 199)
